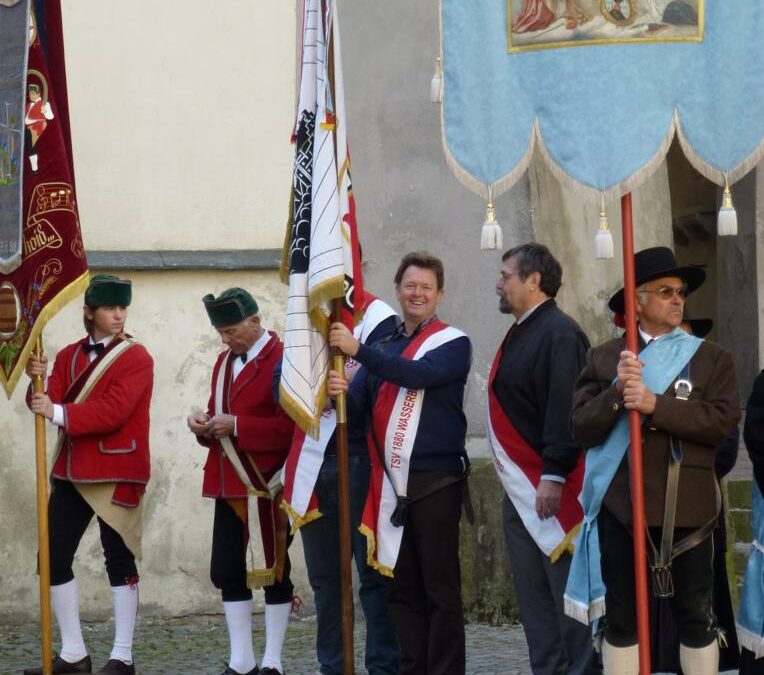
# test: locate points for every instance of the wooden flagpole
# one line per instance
(43, 542)
(635, 453)
(343, 502)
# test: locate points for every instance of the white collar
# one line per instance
(103, 341)
(256, 348)
(649, 338)
(531, 310)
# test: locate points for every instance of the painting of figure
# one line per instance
(541, 24)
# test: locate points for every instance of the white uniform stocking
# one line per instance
(65, 600)
(238, 617)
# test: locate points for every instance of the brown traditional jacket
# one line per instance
(700, 423)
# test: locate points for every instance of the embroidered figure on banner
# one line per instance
(543, 24)
(38, 114)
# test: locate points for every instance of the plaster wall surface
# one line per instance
(737, 289)
(567, 224)
(181, 115)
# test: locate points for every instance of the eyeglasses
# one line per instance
(506, 276)
(668, 292)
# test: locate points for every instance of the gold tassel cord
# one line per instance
(726, 224)
(603, 240)
(490, 235)
(436, 84)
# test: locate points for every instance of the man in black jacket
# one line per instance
(537, 460)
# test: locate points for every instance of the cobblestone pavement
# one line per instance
(198, 645)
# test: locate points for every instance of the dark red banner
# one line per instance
(53, 269)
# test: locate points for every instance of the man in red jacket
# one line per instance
(248, 436)
(98, 395)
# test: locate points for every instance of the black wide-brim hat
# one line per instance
(654, 263)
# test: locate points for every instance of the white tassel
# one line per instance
(436, 84)
(726, 224)
(490, 235)
(603, 241)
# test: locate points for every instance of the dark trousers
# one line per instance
(749, 664)
(692, 573)
(320, 539)
(557, 644)
(425, 597)
(228, 566)
(68, 517)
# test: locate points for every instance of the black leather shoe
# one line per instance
(231, 671)
(61, 667)
(270, 671)
(117, 667)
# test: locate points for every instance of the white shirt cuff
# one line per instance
(552, 477)
(235, 430)
(58, 415)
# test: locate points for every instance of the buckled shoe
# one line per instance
(231, 671)
(117, 667)
(61, 667)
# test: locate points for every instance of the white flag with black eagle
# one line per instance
(320, 261)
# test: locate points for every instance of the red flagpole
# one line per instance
(635, 435)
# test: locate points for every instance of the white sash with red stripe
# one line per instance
(395, 421)
(306, 454)
(519, 468)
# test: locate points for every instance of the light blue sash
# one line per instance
(585, 592)
(750, 616)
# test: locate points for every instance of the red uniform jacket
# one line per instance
(106, 436)
(264, 429)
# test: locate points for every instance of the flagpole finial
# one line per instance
(603, 240)
(436, 84)
(726, 224)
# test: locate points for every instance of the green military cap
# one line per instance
(106, 289)
(231, 307)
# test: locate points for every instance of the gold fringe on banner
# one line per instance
(75, 288)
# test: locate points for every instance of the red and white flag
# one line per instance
(306, 454)
(321, 258)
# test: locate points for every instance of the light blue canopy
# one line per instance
(603, 116)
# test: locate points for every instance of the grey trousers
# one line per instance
(557, 644)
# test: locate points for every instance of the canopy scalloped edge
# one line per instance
(506, 182)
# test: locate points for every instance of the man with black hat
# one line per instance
(248, 437)
(686, 390)
(98, 395)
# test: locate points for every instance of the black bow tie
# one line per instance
(243, 357)
(98, 348)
